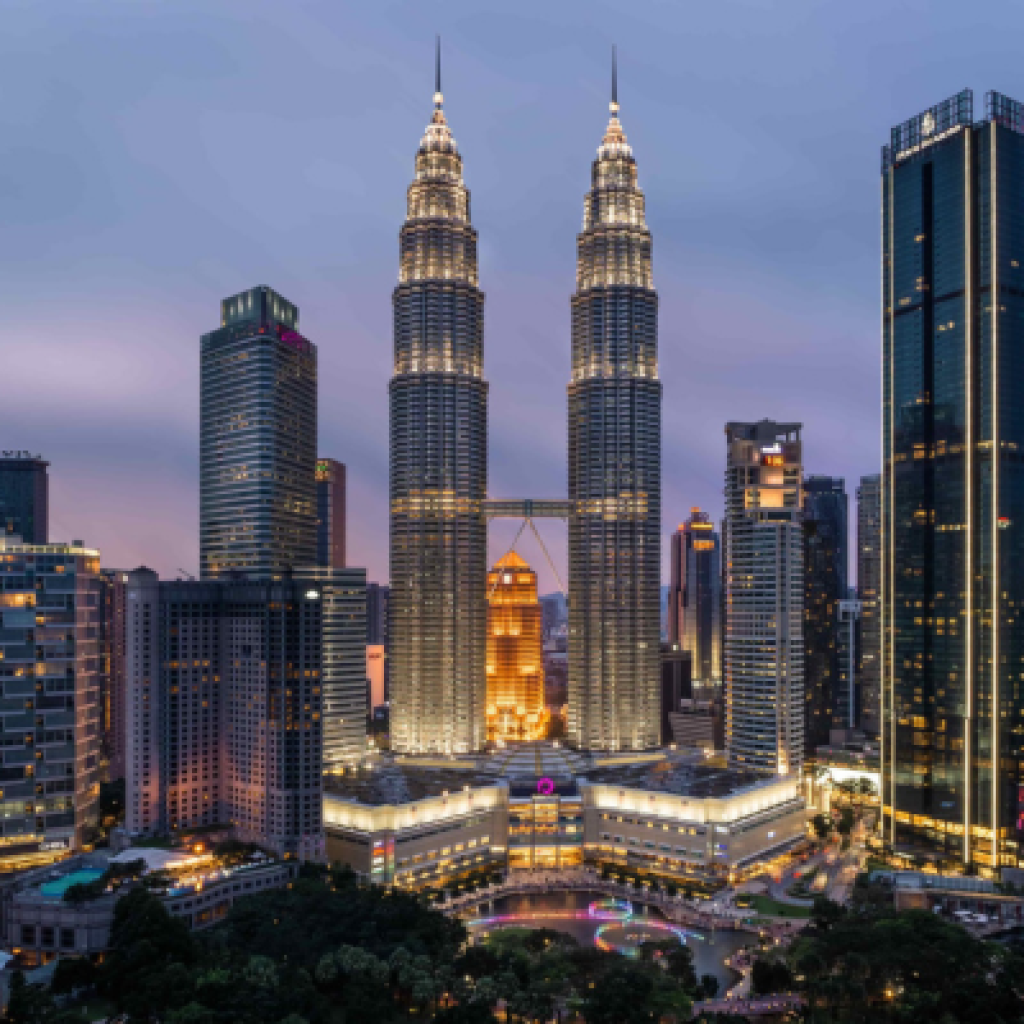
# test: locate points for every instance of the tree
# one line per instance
(28, 1004)
(822, 826)
(826, 912)
(709, 985)
(71, 974)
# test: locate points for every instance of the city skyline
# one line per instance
(509, 97)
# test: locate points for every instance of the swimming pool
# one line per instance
(55, 890)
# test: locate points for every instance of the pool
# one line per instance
(55, 890)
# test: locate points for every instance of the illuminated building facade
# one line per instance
(24, 497)
(614, 464)
(438, 397)
(695, 596)
(257, 440)
(869, 573)
(112, 649)
(330, 513)
(515, 657)
(229, 688)
(953, 484)
(50, 720)
(826, 527)
(764, 595)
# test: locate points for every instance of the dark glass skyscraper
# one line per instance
(695, 596)
(330, 513)
(952, 731)
(24, 497)
(438, 607)
(826, 550)
(869, 572)
(614, 464)
(257, 440)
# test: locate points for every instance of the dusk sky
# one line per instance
(160, 156)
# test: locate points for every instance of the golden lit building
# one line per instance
(515, 672)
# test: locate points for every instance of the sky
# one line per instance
(157, 157)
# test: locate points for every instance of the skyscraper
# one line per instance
(826, 550)
(869, 572)
(764, 598)
(438, 396)
(515, 663)
(695, 596)
(847, 709)
(113, 641)
(331, 512)
(614, 463)
(257, 440)
(50, 667)
(953, 484)
(24, 497)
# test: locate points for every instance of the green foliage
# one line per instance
(822, 826)
(709, 986)
(769, 974)
(910, 966)
(73, 973)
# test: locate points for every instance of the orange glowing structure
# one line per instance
(515, 669)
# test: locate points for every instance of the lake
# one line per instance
(609, 927)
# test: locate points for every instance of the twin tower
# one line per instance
(438, 489)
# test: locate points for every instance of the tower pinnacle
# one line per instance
(438, 96)
(614, 105)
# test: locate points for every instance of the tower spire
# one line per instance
(614, 105)
(438, 97)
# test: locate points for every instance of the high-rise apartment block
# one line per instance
(257, 441)
(515, 660)
(50, 668)
(331, 512)
(234, 691)
(24, 497)
(614, 464)
(764, 593)
(953, 484)
(438, 463)
(378, 599)
(869, 582)
(826, 550)
(113, 644)
(695, 595)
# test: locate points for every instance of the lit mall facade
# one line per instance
(953, 485)
(695, 836)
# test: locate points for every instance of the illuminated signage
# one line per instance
(772, 460)
(703, 545)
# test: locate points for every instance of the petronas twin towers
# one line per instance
(438, 492)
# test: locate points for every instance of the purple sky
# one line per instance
(157, 157)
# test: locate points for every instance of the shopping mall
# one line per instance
(423, 822)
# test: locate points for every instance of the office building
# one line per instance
(438, 396)
(24, 497)
(953, 485)
(376, 676)
(764, 598)
(342, 594)
(695, 595)
(869, 572)
(112, 651)
(257, 441)
(848, 691)
(237, 697)
(554, 612)
(825, 558)
(377, 600)
(515, 663)
(331, 511)
(676, 685)
(50, 667)
(614, 398)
